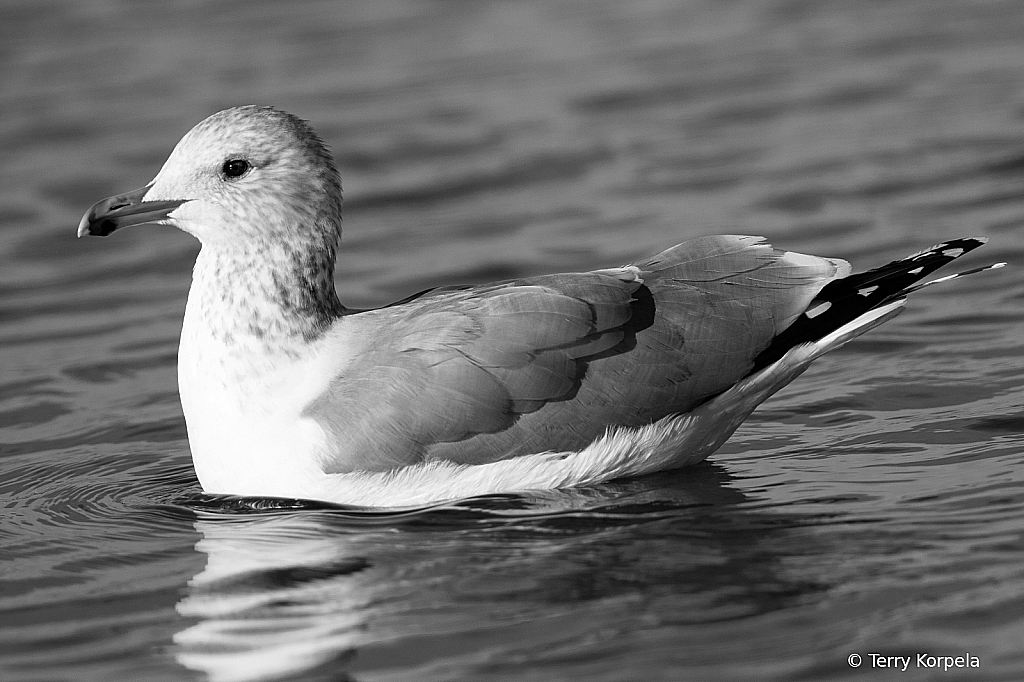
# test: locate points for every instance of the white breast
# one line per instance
(243, 409)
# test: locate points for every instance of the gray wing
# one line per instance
(442, 368)
(547, 363)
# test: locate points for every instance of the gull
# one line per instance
(528, 384)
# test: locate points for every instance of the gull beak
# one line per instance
(125, 209)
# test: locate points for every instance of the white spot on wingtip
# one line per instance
(867, 291)
(953, 253)
(818, 309)
(915, 271)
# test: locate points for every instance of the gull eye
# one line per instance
(235, 168)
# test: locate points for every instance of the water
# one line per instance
(874, 506)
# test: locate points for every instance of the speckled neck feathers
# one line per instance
(269, 295)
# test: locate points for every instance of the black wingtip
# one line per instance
(950, 250)
(843, 300)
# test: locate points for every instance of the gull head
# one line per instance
(248, 175)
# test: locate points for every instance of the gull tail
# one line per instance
(843, 310)
(843, 300)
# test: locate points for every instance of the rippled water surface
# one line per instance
(874, 506)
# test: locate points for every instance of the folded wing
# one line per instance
(548, 363)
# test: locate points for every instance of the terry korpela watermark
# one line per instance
(903, 663)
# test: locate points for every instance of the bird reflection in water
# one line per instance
(280, 593)
(332, 593)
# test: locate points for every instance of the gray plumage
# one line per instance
(548, 363)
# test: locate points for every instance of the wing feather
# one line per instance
(454, 364)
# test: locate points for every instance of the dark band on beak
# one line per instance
(125, 209)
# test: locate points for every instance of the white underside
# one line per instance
(243, 411)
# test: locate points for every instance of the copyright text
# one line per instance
(902, 663)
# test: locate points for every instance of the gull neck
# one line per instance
(270, 295)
